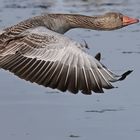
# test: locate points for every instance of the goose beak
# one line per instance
(127, 20)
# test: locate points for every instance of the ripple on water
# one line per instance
(74, 136)
(104, 110)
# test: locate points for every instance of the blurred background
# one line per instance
(32, 112)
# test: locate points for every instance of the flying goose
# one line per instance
(36, 50)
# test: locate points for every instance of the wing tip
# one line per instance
(124, 75)
(98, 56)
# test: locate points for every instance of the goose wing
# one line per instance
(53, 60)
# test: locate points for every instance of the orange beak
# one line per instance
(127, 20)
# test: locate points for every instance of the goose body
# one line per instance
(36, 50)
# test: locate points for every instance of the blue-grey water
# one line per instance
(32, 112)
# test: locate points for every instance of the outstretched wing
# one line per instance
(55, 61)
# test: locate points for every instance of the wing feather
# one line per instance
(52, 60)
(38, 70)
(41, 76)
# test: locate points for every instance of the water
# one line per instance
(32, 112)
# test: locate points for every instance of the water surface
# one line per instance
(32, 112)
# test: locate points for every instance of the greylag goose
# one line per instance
(36, 50)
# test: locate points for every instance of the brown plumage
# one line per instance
(36, 50)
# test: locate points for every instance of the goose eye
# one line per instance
(121, 17)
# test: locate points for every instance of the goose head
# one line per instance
(113, 20)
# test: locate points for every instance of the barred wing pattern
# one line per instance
(53, 60)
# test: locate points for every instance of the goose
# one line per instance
(37, 50)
